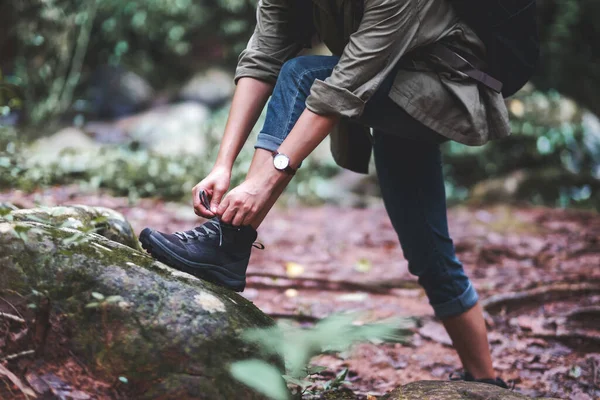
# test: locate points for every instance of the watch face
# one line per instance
(281, 161)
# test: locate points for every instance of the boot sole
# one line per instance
(216, 274)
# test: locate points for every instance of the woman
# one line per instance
(383, 75)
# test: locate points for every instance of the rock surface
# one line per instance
(167, 130)
(101, 220)
(114, 92)
(446, 390)
(49, 150)
(170, 334)
(212, 87)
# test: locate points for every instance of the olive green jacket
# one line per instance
(443, 99)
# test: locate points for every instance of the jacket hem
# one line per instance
(404, 101)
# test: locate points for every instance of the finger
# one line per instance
(229, 214)
(198, 206)
(195, 199)
(223, 205)
(238, 220)
(249, 217)
(216, 199)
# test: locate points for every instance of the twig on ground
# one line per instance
(296, 317)
(11, 304)
(17, 382)
(594, 372)
(12, 317)
(17, 355)
(42, 325)
(587, 338)
(584, 251)
(540, 294)
(318, 283)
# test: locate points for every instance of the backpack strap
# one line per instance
(465, 63)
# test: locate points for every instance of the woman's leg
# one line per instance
(285, 107)
(412, 185)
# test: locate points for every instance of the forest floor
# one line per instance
(537, 271)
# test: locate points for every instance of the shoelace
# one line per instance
(199, 231)
(202, 230)
(205, 231)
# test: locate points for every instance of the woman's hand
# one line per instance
(215, 185)
(245, 202)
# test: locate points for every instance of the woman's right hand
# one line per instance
(215, 185)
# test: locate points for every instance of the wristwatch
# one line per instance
(281, 162)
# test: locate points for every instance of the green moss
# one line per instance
(168, 324)
(103, 221)
(445, 390)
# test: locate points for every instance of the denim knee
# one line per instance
(289, 95)
(299, 70)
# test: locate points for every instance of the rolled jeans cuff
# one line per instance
(458, 305)
(267, 142)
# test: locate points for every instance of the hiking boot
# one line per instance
(214, 251)
(466, 376)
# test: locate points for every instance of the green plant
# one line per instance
(554, 140)
(570, 49)
(297, 346)
(11, 97)
(51, 46)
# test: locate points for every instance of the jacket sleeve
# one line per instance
(386, 32)
(270, 45)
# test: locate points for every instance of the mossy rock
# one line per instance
(103, 221)
(172, 335)
(447, 390)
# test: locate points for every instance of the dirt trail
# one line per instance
(537, 269)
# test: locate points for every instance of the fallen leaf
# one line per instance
(575, 372)
(363, 265)
(17, 382)
(37, 383)
(62, 389)
(436, 332)
(294, 270)
(353, 297)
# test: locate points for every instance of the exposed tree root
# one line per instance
(295, 317)
(582, 313)
(335, 285)
(576, 339)
(542, 294)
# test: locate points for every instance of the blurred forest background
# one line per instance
(141, 90)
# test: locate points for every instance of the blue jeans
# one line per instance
(409, 169)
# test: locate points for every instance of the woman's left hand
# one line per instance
(245, 202)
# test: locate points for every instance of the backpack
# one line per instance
(508, 29)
